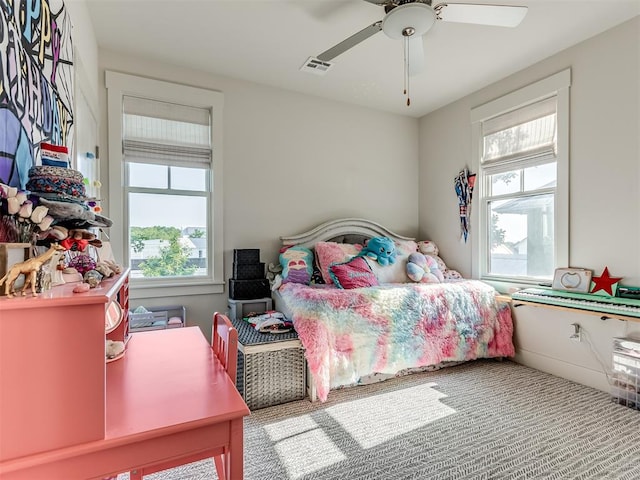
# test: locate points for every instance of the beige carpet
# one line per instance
(479, 420)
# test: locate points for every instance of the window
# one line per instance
(522, 144)
(165, 183)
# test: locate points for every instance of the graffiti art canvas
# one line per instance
(36, 83)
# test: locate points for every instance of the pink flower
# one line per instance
(39, 213)
(13, 206)
(26, 209)
(45, 223)
(7, 192)
(21, 196)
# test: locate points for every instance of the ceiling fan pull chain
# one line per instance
(406, 63)
(407, 71)
(406, 34)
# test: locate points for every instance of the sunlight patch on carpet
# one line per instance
(302, 446)
(380, 418)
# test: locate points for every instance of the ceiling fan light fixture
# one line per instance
(418, 16)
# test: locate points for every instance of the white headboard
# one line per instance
(336, 228)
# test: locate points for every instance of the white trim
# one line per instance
(561, 216)
(159, 291)
(557, 84)
(118, 85)
(561, 368)
(531, 93)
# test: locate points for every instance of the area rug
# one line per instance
(479, 420)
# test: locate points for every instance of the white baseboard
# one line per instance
(561, 368)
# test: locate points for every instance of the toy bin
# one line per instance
(158, 318)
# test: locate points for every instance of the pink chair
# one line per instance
(224, 341)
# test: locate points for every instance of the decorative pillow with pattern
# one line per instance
(297, 264)
(355, 273)
(332, 252)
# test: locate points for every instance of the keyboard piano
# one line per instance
(615, 306)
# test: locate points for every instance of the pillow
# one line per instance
(297, 264)
(397, 272)
(332, 252)
(316, 276)
(406, 246)
(394, 273)
(353, 274)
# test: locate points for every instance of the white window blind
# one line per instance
(166, 133)
(528, 132)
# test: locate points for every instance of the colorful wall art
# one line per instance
(36, 83)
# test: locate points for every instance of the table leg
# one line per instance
(234, 459)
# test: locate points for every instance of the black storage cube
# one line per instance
(249, 289)
(248, 271)
(246, 256)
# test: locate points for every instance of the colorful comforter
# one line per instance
(348, 334)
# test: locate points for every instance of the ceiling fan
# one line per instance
(409, 20)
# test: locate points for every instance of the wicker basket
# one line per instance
(271, 367)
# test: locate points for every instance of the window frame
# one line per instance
(118, 85)
(555, 85)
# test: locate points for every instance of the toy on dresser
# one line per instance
(29, 268)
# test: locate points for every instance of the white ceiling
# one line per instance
(267, 41)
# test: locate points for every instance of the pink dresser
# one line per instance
(52, 366)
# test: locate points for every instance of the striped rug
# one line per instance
(479, 420)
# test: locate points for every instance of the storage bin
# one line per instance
(625, 388)
(249, 289)
(246, 255)
(271, 367)
(248, 271)
(238, 309)
(158, 318)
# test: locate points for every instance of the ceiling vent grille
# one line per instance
(313, 65)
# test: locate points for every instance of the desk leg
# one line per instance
(234, 459)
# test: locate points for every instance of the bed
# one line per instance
(358, 335)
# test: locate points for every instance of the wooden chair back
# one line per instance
(224, 340)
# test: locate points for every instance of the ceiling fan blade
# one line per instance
(416, 56)
(350, 42)
(496, 15)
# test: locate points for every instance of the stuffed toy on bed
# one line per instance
(423, 268)
(381, 249)
(297, 264)
(430, 249)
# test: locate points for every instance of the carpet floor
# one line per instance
(479, 420)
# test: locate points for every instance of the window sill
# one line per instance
(157, 291)
(508, 287)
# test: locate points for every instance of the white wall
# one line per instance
(85, 51)
(604, 194)
(291, 161)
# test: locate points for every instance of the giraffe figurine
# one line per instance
(30, 270)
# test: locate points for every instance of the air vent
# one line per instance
(316, 66)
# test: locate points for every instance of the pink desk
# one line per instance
(167, 398)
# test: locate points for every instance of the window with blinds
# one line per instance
(167, 154)
(520, 226)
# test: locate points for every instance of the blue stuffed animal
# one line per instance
(381, 249)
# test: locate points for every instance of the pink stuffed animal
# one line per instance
(430, 249)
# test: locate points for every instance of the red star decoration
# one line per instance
(604, 282)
